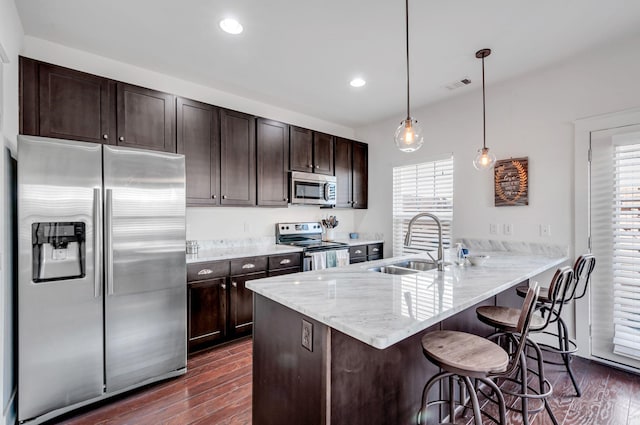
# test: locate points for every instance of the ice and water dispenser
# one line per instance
(58, 251)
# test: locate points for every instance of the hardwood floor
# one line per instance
(217, 390)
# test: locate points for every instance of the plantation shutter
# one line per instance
(615, 240)
(426, 187)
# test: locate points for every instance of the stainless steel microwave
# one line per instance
(312, 189)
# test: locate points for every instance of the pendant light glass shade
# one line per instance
(408, 135)
(484, 160)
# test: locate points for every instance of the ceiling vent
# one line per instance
(460, 83)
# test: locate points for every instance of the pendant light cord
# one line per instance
(484, 119)
(407, 39)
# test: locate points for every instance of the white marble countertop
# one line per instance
(229, 252)
(381, 309)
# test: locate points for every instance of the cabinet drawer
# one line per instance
(374, 257)
(207, 270)
(281, 272)
(248, 265)
(284, 261)
(357, 251)
(354, 260)
(374, 249)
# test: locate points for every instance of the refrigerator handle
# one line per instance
(97, 241)
(108, 240)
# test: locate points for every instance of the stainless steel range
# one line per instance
(307, 235)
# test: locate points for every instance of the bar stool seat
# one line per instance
(456, 351)
(544, 293)
(506, 318)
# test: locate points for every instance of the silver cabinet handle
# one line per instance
(204, 272)
(223, 286)
(214, 196)
(234, 284)
(108, 240)
(285, 199)
(121, 138)
(355, 202)
(310, 165)
(105, 136)
(358, 251)
(317, 166)
(248, 266)
(224, 196)
(285, 261)
(376, 249)
(97, 242)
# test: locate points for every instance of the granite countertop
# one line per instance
(230, 252)
(381, 309)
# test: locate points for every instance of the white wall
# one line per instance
(530, 116)
(11, 36)
(203, 223)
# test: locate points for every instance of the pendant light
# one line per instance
(408, 135)
(485, 159)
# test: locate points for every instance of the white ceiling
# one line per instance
(301, 54)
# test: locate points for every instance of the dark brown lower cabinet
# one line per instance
(241, 304)
(220, 307)
(207, 312)
(362, 253)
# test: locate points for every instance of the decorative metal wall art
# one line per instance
(511, 182)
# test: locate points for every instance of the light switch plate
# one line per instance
(307, 335)
(493, 229)
(507, 229)
(545, 230)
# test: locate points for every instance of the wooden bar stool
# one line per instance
(504, 319)
(467, 356)
(565, 346)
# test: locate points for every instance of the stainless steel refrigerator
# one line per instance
(102, 274)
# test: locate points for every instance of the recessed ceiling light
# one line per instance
(357, 82)
(231, 26)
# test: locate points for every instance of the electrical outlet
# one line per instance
(507, 229)
(493, 229)
(545, 230)
(307, 335)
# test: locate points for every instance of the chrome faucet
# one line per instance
(407, 238)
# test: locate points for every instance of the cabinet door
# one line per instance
(273, 163)
(241, 317)
(343, 169)
(146, 118)
(360, 175)
(301, 148)
(323, 153)
(198, 138)
(237, 158)
(74, 105)
(207, 312)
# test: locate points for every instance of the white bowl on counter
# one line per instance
(477, 259)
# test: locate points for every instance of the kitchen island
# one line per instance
(342, 346)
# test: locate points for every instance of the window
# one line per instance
(426, 187)
(615, 241)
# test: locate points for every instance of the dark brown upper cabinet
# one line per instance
(66, 104)
(311, 151)
(360, 175)
(301, 148)
(351, 173)
(272, 142)
(198, 139)
(344, 173)
(237, 158)
(146, 118)
(322, 153)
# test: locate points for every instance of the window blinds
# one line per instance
(426, 187)
(626, 245)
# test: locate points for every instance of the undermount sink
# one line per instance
(406, 267)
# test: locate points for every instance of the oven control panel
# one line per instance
(298, 228)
